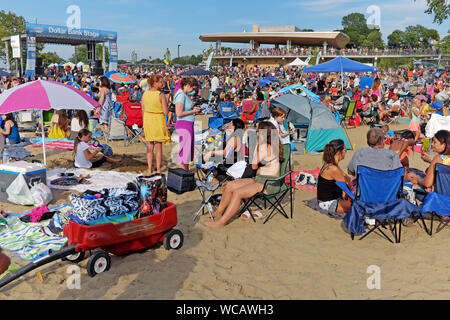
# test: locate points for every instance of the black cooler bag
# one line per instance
(180, 181)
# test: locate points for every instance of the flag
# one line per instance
(308, 60)
(318, 58)
(166, 62)
(208, 62)
(231, 61)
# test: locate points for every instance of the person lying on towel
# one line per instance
(83, 157)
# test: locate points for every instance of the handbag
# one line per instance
(152, 194)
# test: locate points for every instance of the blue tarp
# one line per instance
(341, 65)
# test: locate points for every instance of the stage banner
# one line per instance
(48, 31)
(31, 56)
(113, 56)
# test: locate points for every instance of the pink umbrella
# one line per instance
(45, 95)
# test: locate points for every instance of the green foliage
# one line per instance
(355, 26)
(50, 58)
(193, 60)
(82, 53)
(444, 46)
(414, 36)
(440, 9)
(395, 63)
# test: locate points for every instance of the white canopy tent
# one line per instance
(298, 63)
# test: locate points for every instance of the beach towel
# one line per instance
(59, 144)
(314, 204)
(26, 240)
(303, 180)
(99, 180)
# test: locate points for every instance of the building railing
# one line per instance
(266, 52)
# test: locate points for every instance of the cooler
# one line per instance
(34, 173)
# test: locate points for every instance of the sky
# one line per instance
(151, 26)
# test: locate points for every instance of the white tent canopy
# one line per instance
(298, 62)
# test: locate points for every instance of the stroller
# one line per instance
(133, 122)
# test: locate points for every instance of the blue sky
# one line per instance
(151, 26)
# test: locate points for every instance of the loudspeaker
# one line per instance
(39, 62)
(90, 51)
(39, 71)
(98, 64)
(98, 71)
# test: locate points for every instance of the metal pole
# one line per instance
(8, 63)
(43, 138)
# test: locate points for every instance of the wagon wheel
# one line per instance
(75, 258)
(98, 263)
(173, 240)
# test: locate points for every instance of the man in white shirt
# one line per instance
(214, 84)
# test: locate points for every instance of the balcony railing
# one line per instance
(330, 52)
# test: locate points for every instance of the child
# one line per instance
(83, 157)
(388, 133)
(277, 119)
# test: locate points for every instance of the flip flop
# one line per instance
(258, 215)
(245, 216)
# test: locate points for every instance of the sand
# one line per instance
(308, 257)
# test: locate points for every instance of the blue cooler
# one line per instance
(34, 173)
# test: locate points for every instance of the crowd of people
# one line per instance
(170, 101)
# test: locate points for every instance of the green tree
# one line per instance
(355, 26)
(396, 39)
(82, 53)
(50, 58)
(375, 40)
(419, 36)
(440, 9)
(10, 25)
(444, 45)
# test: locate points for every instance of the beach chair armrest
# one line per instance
(345, 188)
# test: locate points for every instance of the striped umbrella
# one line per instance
(45, 95)
(122, 78)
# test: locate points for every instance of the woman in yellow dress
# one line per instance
(59, 126)
(155, 108)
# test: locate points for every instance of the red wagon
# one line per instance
(120, 239)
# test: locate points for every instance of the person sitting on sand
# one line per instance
(440, 145)
(329, 195)
(83, 157)
(9, 129)
(266, 161)
(60, 126)
(4, 262)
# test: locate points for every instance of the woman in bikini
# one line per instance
(266, 161)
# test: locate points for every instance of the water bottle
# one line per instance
(5, 157)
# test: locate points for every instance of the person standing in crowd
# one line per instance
(80, 121)
(414, 125)
(155, 108)
(107, 109)
(186, 112)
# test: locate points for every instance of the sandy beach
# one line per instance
(308, 257)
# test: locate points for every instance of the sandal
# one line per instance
(258, 215)
(245, 216)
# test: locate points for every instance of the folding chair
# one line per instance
(368, 191)
(350, 113)
(437, 202)
(116, 131)
(227, 112)
(275, 200)
(132, 122)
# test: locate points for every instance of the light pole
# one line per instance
(179, 51)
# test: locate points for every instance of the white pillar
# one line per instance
(289, 44)
(103, 56)
(325, 45)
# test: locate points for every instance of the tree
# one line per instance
(444, 45)
(50, 58)
(440, 9)
(355, 26)
(396, 39)
(10, 25)
(82, 53)
(374, 39)
(418, 36)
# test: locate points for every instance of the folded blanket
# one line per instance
(299, 184)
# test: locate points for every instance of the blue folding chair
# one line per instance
(437, 203)
(369, 193)
(227, 111)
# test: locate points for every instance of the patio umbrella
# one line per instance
(73, 84)
(69, 64)
(4, 74)
(197, 72)
(124, 78)
(109, 74)
(45, 95)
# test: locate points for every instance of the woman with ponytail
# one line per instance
(329, 195)
(83, 157)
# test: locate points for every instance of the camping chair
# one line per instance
(116, 131)
(368, 191)
(345, 105)
(275, 200)
(227, 111)
(372, 118)
(132, 122)
(350, 113)
(437, 203)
